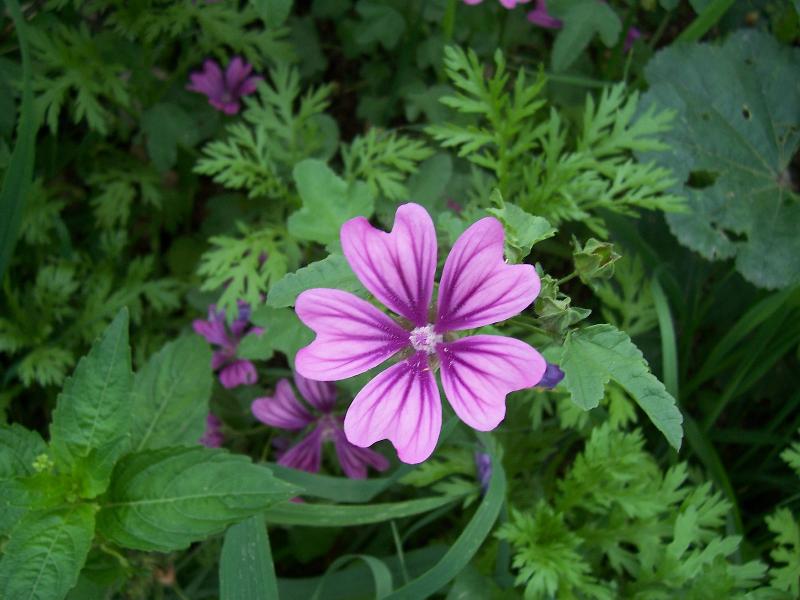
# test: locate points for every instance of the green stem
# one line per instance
(449, 21)
(707, 18)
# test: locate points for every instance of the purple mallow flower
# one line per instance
(212, 438)
(233, 371)
(509, 4)
(224, 89)
(552, 376)
(285, 411)
(477, 288)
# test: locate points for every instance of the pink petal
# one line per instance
(321, 394)
(352, 335)
(228, 107)
(478, 372)
(539, 16)
(306, 454)
(510, 4)
(397, 267)
(249, 85)
(237, 71)
(212, 437)
(219, 359)
(213, 329)
(402, 405)
(283, 410)
(239, 372)
(355, 460)
(209, 81)
(478, 287)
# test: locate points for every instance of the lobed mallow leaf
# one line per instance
(328, 201)
(331, 272)
(732, 143)
(165, 499)
(45, 554)
(169, 403)
(90, 424)
(597, 354)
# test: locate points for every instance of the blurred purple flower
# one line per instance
(509, 4)
(631, 36)
(285, 411)
(552, 376)
(224, 89)
(483, 465)
(233, 372)
(212, 438)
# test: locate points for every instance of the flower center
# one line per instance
(425, 339)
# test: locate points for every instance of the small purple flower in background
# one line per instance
(212, 438)
(631, 36)
(224, 89)
(552, 377)
(285, 411)
(483, 465)
(509, 4)
(402, 403)
(233, 372)
(539, 16)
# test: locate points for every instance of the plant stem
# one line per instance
(707, 18)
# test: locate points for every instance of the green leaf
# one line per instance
(273, 12)
(246, 571)
(45, 554)
(331, 272)
(582, 21)
(334, 515)
(166, 499)
(284, 331)
(19, 174)
(169, 403)
(468, 542)
(167, 126)
(427, 185)
(19, 448)
(732, 143)
(328, 201)
(786, 552)
(91, 419)
(381, 575)
(380, 24)
(523, 230)
(597, 354)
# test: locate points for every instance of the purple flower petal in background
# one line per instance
(285, 411)
(233, 371)
(224, 89)
(212, 438)
(478, 288)
(552, 377)
(509, 4)
(539, 16)
(631, 36)
(483, 465)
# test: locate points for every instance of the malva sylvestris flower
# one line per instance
(224, 89)
(477, 288)
(233, 371)
(285, 411)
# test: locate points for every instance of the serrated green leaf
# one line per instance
(285, 332)
(786, 552)
(381, 24)
(328, 201)
(167, 126)
(597, 354)
(45, 554)
(91, 419)
(581, 22)
(19, 447)
(733, 141)
(331, 272)
(169, 403)
(246, 571)
(165, 499)
(523, 230)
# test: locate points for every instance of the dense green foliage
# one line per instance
(653, 181)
